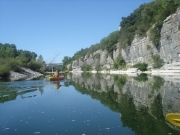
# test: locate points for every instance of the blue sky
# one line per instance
(58, 28)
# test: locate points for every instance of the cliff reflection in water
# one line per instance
(142, 101)
(11, 90)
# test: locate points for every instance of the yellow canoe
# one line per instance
(173, 118)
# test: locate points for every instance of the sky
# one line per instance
(58, 28)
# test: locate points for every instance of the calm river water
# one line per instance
(90, 105)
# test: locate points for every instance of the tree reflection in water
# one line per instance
(139, 100)
(11, 90)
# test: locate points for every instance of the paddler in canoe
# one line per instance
(56, 76)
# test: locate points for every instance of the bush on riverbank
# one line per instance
(86, 67)
(141, 66)
(4, 71)
(157, 61)
(119, 63)
(6, 65)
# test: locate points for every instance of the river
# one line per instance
(90, 104)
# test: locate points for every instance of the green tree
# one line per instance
(66, 60)
(141, 66)
(119, 63)
(13, 59)
(86, 67)
(157, 61)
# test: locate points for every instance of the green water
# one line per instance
(90, 105)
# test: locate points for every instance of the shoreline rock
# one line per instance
(26, 74)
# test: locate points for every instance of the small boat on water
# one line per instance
(55, 76)
(52, 78)
(173, 118)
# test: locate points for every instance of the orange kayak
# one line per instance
(52, 78)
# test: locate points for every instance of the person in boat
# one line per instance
(56, 74)
(57, 84)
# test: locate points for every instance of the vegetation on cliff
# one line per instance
(107, 43)
(148, 17)
(141, 66)
(86, 67)
(157, 61)
(119, 63)
(12, 59)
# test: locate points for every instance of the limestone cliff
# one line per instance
(140, 50)
(170, 39)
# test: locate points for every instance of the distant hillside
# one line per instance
(143, 26)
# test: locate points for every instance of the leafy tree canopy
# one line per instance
(11, 59)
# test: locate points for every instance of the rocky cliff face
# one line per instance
(170, 39)
(99, 59)
(141, 49)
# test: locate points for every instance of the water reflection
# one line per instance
(142, 101)
(138, 105)
(56, 84)
(24, 89)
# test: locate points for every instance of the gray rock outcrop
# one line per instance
(170, 38)
(99, 58)
(141, 50)
(26, 74)
(14, 76)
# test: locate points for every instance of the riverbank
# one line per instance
(135, 71)
(23, 74)
(172, 69)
